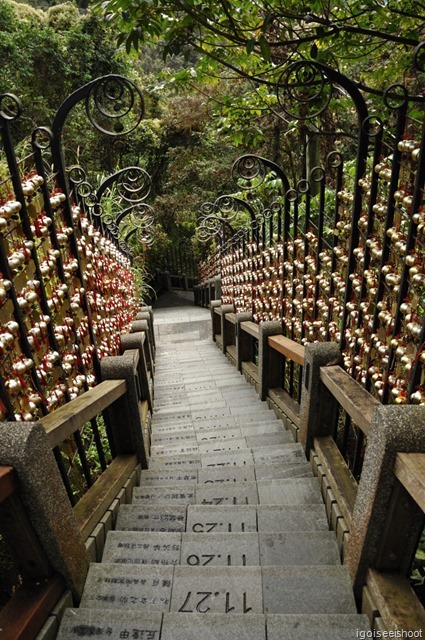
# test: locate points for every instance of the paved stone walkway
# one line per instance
(227, 536)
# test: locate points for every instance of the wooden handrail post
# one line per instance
(243, 340)
(25, 447)
(393, 429)
(125, 415)
(270, 363)
(318, 407)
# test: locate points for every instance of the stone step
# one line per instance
(116, 625)
(164, 495)
(131, 587)
(151, 518)
(318, 589)
(141, 547)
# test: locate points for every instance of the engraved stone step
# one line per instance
(174, 417)
(195, 626)
(288, 518)
(227, 494)
(318, 589)
(269, 426)
(174, 449)
(150, 518)
(295, 491)
(130, 587)
(318, 626)
(276, 471)
(225, 458)
(114, 625)
(220, 475)
(173, 437)
(217, 590)
(220, 549)
(182, 475)
(169, 495)
(219, 519)
(265, 439)
(171, 427)
(299, 548)
(280, 453)
(164, 462)
(231, 444)
(205, 435)
(137, 547)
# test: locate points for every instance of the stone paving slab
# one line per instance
(150, 518)
(296, 491)
(253, 429)
(111, 624)
(318, 589)
(288, 518)
(220, 549)
(231, 519)
(167, 494)
(299, 548)
(136, 547)
(133, 587)
(192, 626)
(227, 494)
(223, 475)
(321, 626)
(217, 590)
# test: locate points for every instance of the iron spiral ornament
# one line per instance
(114, 105)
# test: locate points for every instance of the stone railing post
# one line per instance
(217, 287)
(318, 407)
(394, 429)
(225, 339)
(129, 433)
(142, 326)
(25, 447)
(215, 319)
(270, 363)
(243, 340)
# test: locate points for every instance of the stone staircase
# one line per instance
(227, 535)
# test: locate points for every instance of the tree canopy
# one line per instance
(255, 39)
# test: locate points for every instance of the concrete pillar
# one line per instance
(225, 338)
(137, 341)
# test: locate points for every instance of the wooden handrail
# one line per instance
(8, 482)
(396, 601)
(341, 481)
(409, 469)
(65, 420)
(91, 508)
(288, 348)
(352, 397)
(26, 612)
(251, 328)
